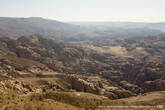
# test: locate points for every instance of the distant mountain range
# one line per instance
(16, 27)
(158, 26)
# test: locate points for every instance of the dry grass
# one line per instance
(116, 50)
(14, 100)
(148, 98)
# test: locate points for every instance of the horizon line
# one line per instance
(94, 21)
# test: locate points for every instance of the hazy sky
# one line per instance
(86, 10)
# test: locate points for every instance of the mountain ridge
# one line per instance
(16, 27)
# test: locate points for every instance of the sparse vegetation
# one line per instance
(38, 73)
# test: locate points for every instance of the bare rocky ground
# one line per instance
(38, 73)
(18, 94)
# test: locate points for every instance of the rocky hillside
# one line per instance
(112, 69)
(133, 61)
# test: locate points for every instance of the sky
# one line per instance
(86, 10)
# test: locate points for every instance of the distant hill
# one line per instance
(122, 29)
(16, 27)
(126, 25)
